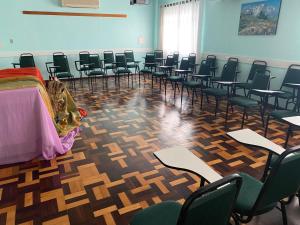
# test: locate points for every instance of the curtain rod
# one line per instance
(177, 3)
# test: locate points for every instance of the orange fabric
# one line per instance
(6, 73)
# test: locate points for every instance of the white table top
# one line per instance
(250, 137)
(228, 82)
(293, 84)
(268, 91)
(202, 75)
(182, 158)
(295, 120)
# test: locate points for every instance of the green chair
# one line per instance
(210, 205)
(96, 70)
(292, 76)
(261, 81)
(212, 61)
(228, 74)
(283, 181)
(164, 71)
(195, 83)
(159, 54)
(176, 59)
(121, 68)
(257, 65)
(131, 62)
(232, 62)
(60, 68)
(192, 62)
(149, 65)
(83, 64)
(179, 76)
(25, 60)
(109, 61)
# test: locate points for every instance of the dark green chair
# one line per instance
(261, 81)
(149, 66)
(131, 62)
(164, 71)
(96, 71)
(232, 62)
(257, 65)
(60, 68)
(283, 181)
(109, 61)
(210, 205)
(159, 55)
(195, 82)
(179, 75)
(192, 62)
(212, 61)
(121, 68)
(228, 74)
(292, 76)
(176, 59)
(83, 64)
(25, 60)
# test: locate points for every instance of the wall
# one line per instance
(43, 35)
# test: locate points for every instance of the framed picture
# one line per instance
(259, 18)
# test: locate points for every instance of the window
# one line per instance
(179, 24)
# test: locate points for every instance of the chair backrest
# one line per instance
(149, 60)
(204, 68)
(229, 70)
(61, 61)
(260, 81)
(192, 60)
(121, 60)
(84, 57)
(169, 60)
(283, 180)
(211, 60)
(211, 204)
(257, 65)
(26, 60)
(95, 61)
(176, 58)
(108, 57)
(292, 75)
(158, 54)
(129, 56)
(184, 63)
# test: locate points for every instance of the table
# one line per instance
(295, 86)
(292, 121)
(182, 158)
(250, 137)
(18, 72)
(26, 130)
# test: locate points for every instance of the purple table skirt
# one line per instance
(26, 129)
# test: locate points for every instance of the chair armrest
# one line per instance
(77, 65)
(15, 64)
(47, 66)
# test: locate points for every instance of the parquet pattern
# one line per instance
(111, 172)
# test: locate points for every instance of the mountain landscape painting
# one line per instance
(259, 18)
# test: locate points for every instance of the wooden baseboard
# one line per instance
(45, 13)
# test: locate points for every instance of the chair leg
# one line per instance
(175, 89)
(267, 125)
(243, 119)
(201, 103)
(262, 115)
(283, 212)
(289, 131)
(181, 96)
(166, 88)
(193, 96)
(217, 106)
(139, 79)
(226, 116)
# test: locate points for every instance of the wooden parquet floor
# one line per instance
(111, 172)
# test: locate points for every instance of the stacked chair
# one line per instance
(164, 71)
(229, 73)
(25, 60)
(211, 204)
(60, 68)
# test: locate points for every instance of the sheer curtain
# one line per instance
(179, 24)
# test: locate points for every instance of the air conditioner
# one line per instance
(140, 2)
(80, 3)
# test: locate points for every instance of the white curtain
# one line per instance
(179, 26)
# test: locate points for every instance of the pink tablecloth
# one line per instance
(26, 129)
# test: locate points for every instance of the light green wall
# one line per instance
(44, 34)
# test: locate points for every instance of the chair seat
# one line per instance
(215, 78)
(175, 78)
(286, 95)
(96, 73)
(244, 85)
(131, 65)
(279, 114)
(248, 194)
(84, 68)
(165, 213)
(192, 84)
(215, 92)
(118, 71)
(109, 66)
(243, 101)
(64, 75)
(145, 71)
(159, 74)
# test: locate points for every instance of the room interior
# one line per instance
(148, 112)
